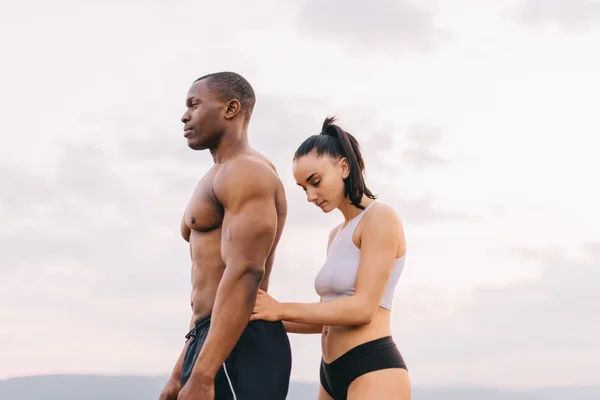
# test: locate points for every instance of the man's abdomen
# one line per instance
(207, 271)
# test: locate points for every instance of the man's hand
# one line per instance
(267, 308)
(198, 390)
(171, 390)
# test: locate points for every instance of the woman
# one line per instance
(365, 257)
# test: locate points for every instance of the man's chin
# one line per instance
(196, 146)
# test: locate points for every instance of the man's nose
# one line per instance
(185, 117)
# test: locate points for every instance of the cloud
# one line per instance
(423, 138)
(425, 135)
(376, 25)
(99, 234)
(421, 211)
(529, 326)
(422, 158)
(571, 15)
(279, 126)
(22, 192)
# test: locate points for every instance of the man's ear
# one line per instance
(233, 108)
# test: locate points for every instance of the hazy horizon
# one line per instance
(143, 388)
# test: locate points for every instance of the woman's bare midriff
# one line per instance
(337, 340)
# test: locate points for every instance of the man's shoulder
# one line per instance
(247, 169)
(246, 175)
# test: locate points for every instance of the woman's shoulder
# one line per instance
(383, 225)
(382, 215)
(382, 211)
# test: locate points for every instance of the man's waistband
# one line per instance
(201, 324)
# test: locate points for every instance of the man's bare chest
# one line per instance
(204, 212)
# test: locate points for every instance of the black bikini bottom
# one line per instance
(371, 356)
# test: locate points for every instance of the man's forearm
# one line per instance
(231, 312)
(176, 374)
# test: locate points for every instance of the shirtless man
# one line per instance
(233, 223)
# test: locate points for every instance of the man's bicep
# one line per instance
(248, 232)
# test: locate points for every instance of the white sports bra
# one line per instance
(337, 276)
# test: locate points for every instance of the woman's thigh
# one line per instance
(323, 395)
(385, 384)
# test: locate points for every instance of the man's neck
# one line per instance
(230, 145)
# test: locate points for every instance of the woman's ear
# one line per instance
(345, 167)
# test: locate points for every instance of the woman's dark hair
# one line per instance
(335, 142)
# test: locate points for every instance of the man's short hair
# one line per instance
(228, 86)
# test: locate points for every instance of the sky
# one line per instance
(478, 125)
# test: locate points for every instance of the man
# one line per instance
(233, 224)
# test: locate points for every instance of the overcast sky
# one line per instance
(479, 125)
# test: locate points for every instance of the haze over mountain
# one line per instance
(90, 387)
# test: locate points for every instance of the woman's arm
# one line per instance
(381, 235)
(297, 327)
(351, 310)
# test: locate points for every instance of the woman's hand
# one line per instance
(266, 308)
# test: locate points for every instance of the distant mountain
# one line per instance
(475, 393)
(84, 387)
(91, 387)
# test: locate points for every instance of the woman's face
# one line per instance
(322, 178)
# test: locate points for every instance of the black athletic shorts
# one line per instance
(375, 355)
(259, 366)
